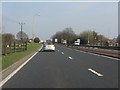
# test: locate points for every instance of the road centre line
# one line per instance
(93, 71)
(70, 57)
(62, 52)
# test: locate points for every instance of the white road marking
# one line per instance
(15, 71)
(62, 52)
(93, 71)
(58, 50)
(70, 57)
(96, 54)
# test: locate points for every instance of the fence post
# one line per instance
(5, 48)
(10, 45)
(21, 46)
(14, 46)
(18, 46)
(25, 45)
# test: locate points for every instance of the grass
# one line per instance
(13, 57)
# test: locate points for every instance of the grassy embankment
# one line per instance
(13, 57)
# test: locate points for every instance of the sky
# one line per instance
(101, 17)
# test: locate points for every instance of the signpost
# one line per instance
(56, 40)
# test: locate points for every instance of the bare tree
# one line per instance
(118, 39)
(67, 34)
(7, 38)
(24, 36)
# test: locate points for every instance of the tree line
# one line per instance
(87, 37)
(11, 44)
(8, 38)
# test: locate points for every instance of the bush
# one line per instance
(36, 40)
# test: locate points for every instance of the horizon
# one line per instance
(101, 17)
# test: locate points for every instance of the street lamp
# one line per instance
(33, 23)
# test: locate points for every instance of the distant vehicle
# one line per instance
(76, 43)
(64, 42)
(41, 41)
(49, 41)
(49, 47)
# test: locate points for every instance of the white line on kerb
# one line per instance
(93, 71)
(70, 57)
(14, 72)
(62, 52)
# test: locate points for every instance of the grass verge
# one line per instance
(14, 57)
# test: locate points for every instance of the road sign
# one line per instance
(56, 40)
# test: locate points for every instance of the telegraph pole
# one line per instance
(21, 24)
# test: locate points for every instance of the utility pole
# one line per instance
(21, 24)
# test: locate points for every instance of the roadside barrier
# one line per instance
(15, 46)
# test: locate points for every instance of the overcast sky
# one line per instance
(101, 17)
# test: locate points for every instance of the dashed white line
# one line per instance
(96, 54)
(70, 57)
(93, 71)
(58, 50)
(62, 52)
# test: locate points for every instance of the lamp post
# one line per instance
(34, 23)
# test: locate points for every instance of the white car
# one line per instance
(76, 43)
(49, 47)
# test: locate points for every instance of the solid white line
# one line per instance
(96, 54)
(62, 52)
(93, 71)
(70, 57)
(14, 72)
(101, 55)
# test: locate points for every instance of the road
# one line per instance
(66, 68)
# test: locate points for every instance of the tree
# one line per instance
(86, 37)
(100, 39)
(95, 38)
(118, 39)
(67, 34)
(36, 40)
(7, 38)
(58, 35)
(92, 38)
(24, 36)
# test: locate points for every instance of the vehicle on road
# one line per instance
(49, 47)
(76, 43)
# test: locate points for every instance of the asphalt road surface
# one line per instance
(66, 68)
